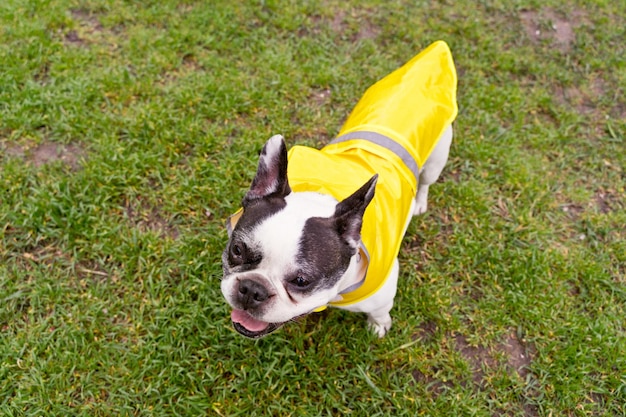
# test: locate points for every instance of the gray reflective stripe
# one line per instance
(386, 142)
(363, 253)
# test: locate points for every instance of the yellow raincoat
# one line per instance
(391, 132)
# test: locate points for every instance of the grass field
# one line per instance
(129, 132)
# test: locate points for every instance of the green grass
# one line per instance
(129, 132)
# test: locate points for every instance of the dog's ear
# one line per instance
(348, 215)
(271, 174)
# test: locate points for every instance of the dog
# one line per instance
(322, 228)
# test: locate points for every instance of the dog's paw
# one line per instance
(379, 327)
(420, 207)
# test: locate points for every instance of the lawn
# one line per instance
(129, 131)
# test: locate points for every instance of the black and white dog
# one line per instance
(291, 253)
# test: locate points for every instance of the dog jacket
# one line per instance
(391, 132)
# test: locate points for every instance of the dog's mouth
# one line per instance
(250, 327)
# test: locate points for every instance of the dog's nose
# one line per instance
(251, 293)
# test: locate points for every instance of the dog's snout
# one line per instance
(251, 293)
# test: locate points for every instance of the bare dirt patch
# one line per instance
(13, 150)
(88, 19)
(604, 201)
(483, 361)
(72, 37)
(572, 210)
(519, 354)
(596, 99)
(321, 96)
(51, 152)
(338, 24)
(575, 98)
(426, 331)
(89, 28)
(547, 24)
(367, 30)
(190, 62)
(433, 385)
(360, 30)
(46, 152)
(477, 357)
(608, 200)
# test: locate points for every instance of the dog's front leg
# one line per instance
(378, 317)
(378, 306)
(379, 321)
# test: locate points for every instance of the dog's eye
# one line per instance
(237, 250)
(300, 282)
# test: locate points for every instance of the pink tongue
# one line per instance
(247, 321)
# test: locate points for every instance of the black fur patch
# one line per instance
(323, 256)
(257, 211)
(254, 214)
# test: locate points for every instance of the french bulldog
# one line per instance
(291, 253)
(323, 228)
